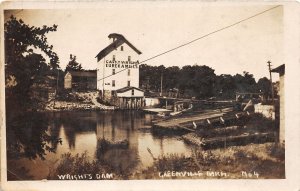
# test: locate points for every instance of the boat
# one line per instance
(104, 144)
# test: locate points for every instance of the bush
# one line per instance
(99, 100)
(78, 165)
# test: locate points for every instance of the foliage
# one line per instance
(31, 67)
(80, 164)
(19, 37)
(172, 162)
(73, 65)
(150, 76)
(245, 82)
(266, 159)
(233, 160)
(264, 86)
(199, 81)
(225, 86)
(28, 137)
(24, 62)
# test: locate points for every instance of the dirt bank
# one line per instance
(77, 101)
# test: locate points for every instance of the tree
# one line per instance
(225, 86)
(73, 65)
(197, 81)
(245, 82)
(171, 77)
(145, 75)
(23, 62)
(28, 136)
(264, 86)
(29, 60)
(150, 76)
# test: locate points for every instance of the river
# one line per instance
(79, 132)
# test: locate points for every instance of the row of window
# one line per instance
(114, 72)
(113, 83)
(114, 58)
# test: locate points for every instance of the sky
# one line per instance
(157, 27)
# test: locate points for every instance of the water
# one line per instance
(79, 132)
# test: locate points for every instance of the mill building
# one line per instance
(118, 73)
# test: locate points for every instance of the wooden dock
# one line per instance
(189, 122)
(157, 110)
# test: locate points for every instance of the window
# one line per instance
(129, 58)
(132, 92)
(113, 83)
(128, 83)
(114, 58)
(128, 72)
(113, 71)
(122, 48)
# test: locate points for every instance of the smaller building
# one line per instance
(129, 98)
(281, 71)
(81, 80)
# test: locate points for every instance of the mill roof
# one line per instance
(120, 39)
(280, 69)
(125, 89)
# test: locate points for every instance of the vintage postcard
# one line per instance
(149, 95)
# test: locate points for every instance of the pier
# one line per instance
(192, 121)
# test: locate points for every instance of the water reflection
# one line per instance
(82, 131)
(28, 136)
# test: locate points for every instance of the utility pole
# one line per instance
(269, 65)
(161, 81)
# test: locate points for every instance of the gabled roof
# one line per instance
(120, 39)
(84, 73)
(280, 69)
(128, 88)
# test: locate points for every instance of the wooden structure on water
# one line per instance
(129, 98)
(246, 96)
(206, 117)
(216, 128)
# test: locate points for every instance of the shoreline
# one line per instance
(77, 101)
(76, 106)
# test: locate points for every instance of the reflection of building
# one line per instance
(281, 70)
(80, 80)
(115, 127)
(117, 68)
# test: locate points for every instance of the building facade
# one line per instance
(117, 68)
(281, 71)
(80, 80)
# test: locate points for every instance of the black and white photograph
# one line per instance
(144, 91)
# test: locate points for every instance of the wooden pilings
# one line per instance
(130, 102)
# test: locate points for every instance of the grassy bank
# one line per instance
(261, 160)
(267, 160)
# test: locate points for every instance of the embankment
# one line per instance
(77, 101)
